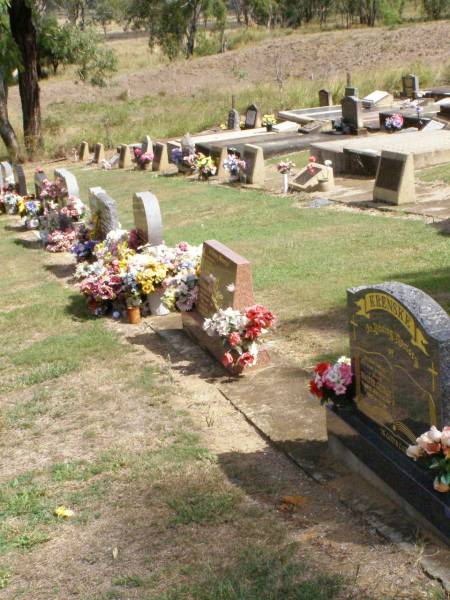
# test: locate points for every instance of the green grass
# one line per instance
(440, 173)
(260, 574)
(202, 506)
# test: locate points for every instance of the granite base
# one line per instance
(193, 325)
(355, 441)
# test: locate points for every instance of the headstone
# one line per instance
(351, 91)
(400, 349)
(125, 157)
(147, 218)
(20, 179)
(352, 114)
(312, 178)
(225, 281)
(394, 182)
(254, 165)
(7, 172)
(83, 152)
(39, 178)
(325, 98)
(234, 120)
(104, 210)
(147, 145)
(252, 117)
(410, 86)
(160, 161)
(378, 98)
(69, 184)
(187, 149)
(99, 153)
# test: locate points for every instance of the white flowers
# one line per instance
(224, 322)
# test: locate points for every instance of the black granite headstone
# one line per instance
(400, 346)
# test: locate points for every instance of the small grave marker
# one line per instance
(147, 218)
(83, 152)
(325, 98)
(352, 114)
(254, 164)
(124, 157)
(99, 153)
(104, 209)
(313, 177)
(147, 144)
(234, 120)
(160, 161)
(410, 86)
(394, 182)
(252, 117)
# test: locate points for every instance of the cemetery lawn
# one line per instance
(303, 259)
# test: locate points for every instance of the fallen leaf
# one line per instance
(294, 500)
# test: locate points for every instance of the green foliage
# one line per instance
(435, 9)
(202, 506)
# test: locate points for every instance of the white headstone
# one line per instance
(147, 218)
(104, 209)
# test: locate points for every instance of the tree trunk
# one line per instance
(7, 133)
(24, 34)
(192, 33)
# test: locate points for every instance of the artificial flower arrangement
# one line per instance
(240, 333)
(31, 210)
(201, 164)
(142, 159)
(269, 121)
(333, 383)
(285, 167)
(394, 122)
(10, 201)
(432, 449)
(234, 164)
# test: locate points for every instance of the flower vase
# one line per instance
(134, 315)
(155, 304)
(285, 187)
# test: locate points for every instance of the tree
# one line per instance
(435, 8)
(8, 62)
(25, 36)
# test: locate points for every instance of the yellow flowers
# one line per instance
(151, 277)
(63, 513)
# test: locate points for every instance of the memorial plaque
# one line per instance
(410, 86)
(20, 179)
(99, 153)
(394, 182)
(252, 117)
(352, 113)
(225, 280)
(400, 347)
(147, 218)
(103, 211)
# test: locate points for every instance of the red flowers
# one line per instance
(246, 360)
(234, 338)
(259, 318)
(227, 359)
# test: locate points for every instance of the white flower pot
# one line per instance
(285, 186)
(155, 304)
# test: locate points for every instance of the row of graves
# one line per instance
(387, 405)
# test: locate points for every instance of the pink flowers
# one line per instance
(433, 447)
(333, 382)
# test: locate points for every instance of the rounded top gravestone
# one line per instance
(147, 218)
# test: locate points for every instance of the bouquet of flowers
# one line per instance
(31, 210)
(203, 165)
(269, 121)
(394, 122)
(61, 241)
(333, 382)
(10, 201)
(74, 210)
(142, 159)
(51, 190)
(432, 449)
(285, 167)
(239, 332)
(234, 165)
(176, 156)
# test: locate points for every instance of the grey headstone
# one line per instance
(20, 179)
(147, 218)
(352, 113)
(234, 119)
(325, 98)
(83, 152)
(187, 145)
(400, 348)
(70, 184)
(147, 145)
(7, 173)
(410, 86)
(252, 117)
(104, 208)
(394, 182)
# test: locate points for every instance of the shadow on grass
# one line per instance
(443, 227)
(184, 356)
(29, 244)
(15, 228)
(78, 310)
(62, 272)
